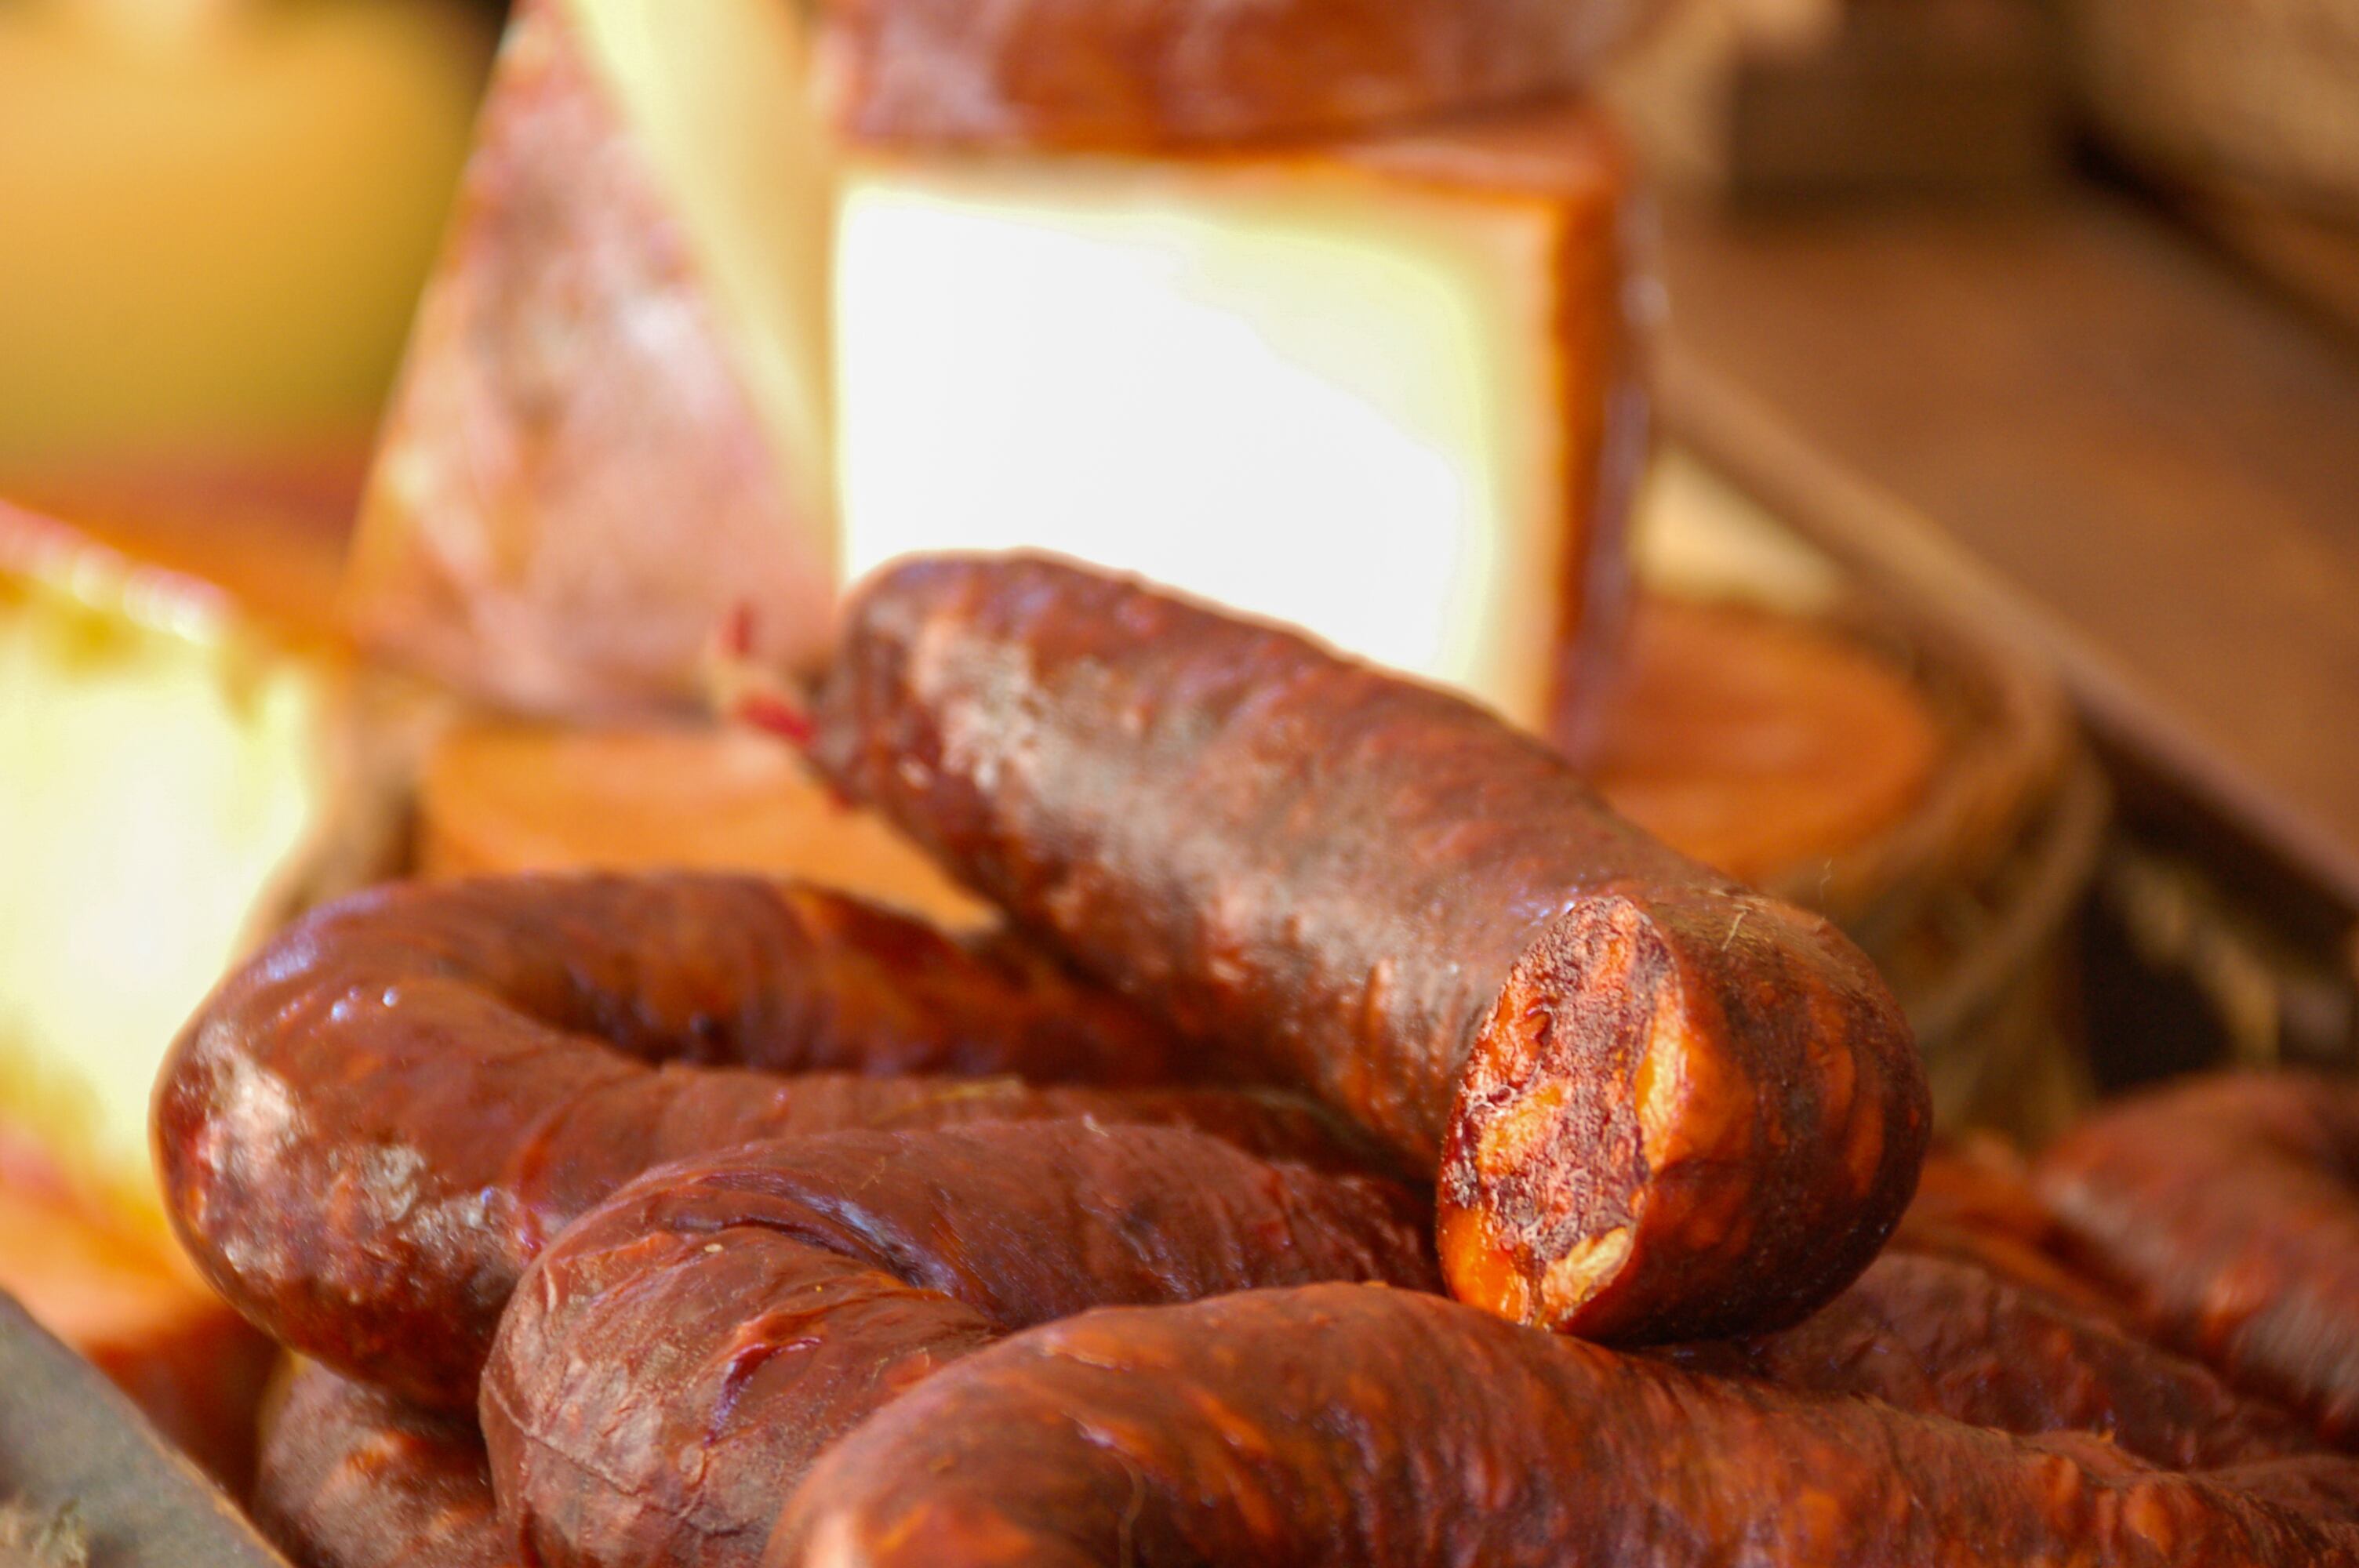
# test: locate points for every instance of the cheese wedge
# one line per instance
(186, 757)
(1385, 390)
(501, 797)
(611, 427)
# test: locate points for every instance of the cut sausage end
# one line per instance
(1545, 1179)
(1672, 1098)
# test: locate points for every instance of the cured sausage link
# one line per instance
(353, 1477)
(2226, 1211)
(669, 1368)
(1348, 1424)
(1945, 1338)
(373, 1125)
(1659, 1107)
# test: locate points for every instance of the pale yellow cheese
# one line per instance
(176, 774)
(1359, 388)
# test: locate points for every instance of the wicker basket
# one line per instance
(1967, 896)
(2260, 94)
(1973, 918)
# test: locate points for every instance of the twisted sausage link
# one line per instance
(2226, 1211)
(671, 1368)
(1349, 1424)
(373, 1125)
(353, 1477)
(1943, 1336)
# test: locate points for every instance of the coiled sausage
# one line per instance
(672, 1364)
(2227, 1212)
(353, 1477)
(1345, 1423)
(371, 1126)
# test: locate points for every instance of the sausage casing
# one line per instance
(1658, 1106)
(1343, 1423)
(2227, 1212)
(371, 1126)
(353, 1477)
(668, 1369)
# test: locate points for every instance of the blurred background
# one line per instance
(1998, 550)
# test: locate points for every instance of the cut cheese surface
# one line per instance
(1366, 390)
(611, 429)
(178, 770)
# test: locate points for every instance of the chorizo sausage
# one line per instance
(371, 1128)
(1659, 1107)
(2227, 1212)
(672, 1364)
(1975, 1204)
(1126, 77)
(1345, 1424)
(1944, 1338)
(353, 1477)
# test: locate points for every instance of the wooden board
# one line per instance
(69, 1440)
(2079, 425)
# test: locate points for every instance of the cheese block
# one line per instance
(501, 796)
(610, 429)
(1389, 390)
(186, 756)
(1144, 74)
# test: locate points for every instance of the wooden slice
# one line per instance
(502, 796)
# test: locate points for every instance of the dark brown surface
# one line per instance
(1975, 1204)
(1381, 1428)
(673, 1365)
(68, 1438)
(2226, 1210)
(2067, 419)
(1661, 1106)
(1940, 1337)
(351, 1477)
(372, 1127)
(1149, 74)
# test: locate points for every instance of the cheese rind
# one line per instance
(1144, 75)
(1386, 391)
(611, 431)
